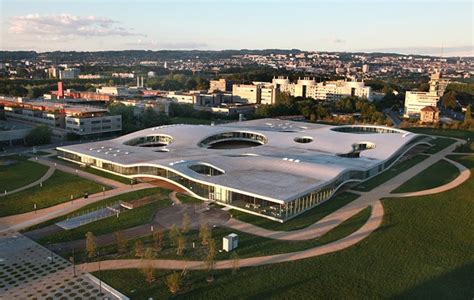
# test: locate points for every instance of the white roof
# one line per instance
(281, 169)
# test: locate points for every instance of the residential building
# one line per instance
(429, 114)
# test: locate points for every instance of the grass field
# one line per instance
(102, 203)
(57, 189)
(421, 251)
(188, 199)
(389, 174)
(249, 245)
(436, 175)
(92, 171)
(127, 219)
(19, 174)
(455, 133)
(439, 144)
(302, 220)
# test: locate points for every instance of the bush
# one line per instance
(40, 135)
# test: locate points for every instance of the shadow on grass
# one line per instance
(447, 286)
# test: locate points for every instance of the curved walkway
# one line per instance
(22, 221)
(464, 174)
(43, 178)
(79, 172)
(371, 198)
(372, 224)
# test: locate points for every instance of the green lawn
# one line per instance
(20, 173)
(92, 170)
(455, 133)
(465, 148)
(301, 221)
(127, 219)
(249, 245)
(423, 250)
(439, 144)
(188, 199)
(436, 175)
(134, 195)
(389, 174)
(57, 189)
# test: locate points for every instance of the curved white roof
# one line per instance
(281, 169)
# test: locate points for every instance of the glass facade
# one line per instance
(273, 210)
(233, 135)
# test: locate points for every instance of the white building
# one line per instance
(415, 101)
(329, 90)
(256, 93)
(113, 90)
(270, 168)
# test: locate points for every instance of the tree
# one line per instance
(138, 248)
(468, 114)
(158, 239)
(150, 118)
(204, 233)
(450, 99)
(235, 262)
(210, 258)
(174, 235)
(185, 223)
(147, 268)
(121, 242)
(173, 282)
(91, 246)
(40, 135)
(181, 245)
(128, 118)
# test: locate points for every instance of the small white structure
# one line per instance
(230, 242)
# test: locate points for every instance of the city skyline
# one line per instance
(423, 27)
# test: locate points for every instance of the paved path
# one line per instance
(164, 218)
(22, 221)
(464, 174)
(371, 198)
(79, 172)
(367, 198)
(43, 178)
(174, 198)
(372, 224)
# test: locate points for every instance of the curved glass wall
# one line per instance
(256, 138)
(241, 201)
(155, 140)
(366, 129)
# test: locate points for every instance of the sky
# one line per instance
(411, 27)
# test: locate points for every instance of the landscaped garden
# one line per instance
(126, 219)
(422, 250)
(249, 245)
(57, 189)
(18, 172)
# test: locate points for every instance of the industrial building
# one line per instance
(270, 168)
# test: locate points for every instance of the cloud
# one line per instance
(54, 27)
(338, 41)
(150, 45)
